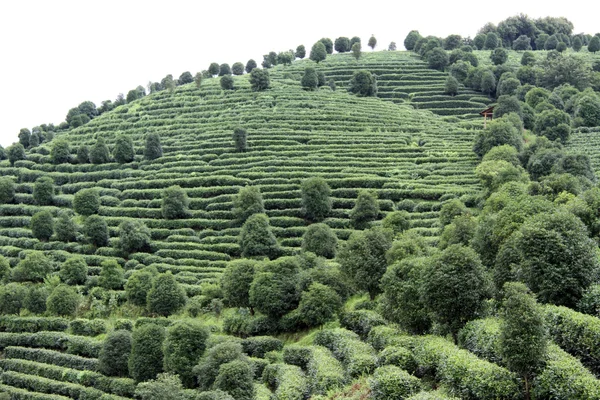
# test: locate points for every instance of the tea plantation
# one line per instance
(335, 226)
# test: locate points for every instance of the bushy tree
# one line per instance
(300, 52)
(392, 46)
(166, 296)
(366, 209)
(111, 275)
(558, 69)
(523, 42)
(594, 44)
(587, 111)
(175, 203)
(74, 271)
(184, 344)
(451, 86)
(328, 43)
(319, 305)
(506, 105)
(24, 137)
(488, 83)
(43, 191)
(479, 41)
(397, 222)
(226, 82)
(259, 79)
(198, 82)
(491, 41)
(224, 69)
(4, 268)
(321, 240)
(86, 202)
(342, 44)
(12, 297)
(123, 152)
(274, 289)
(256, 238)
(554, 124)
(133, 236)
(356, 50)
(60, 152)
(454, 287)
(498, 132)
(63, 301)
(7, 190)
(42, 225)
(452, 42)
(499, 56)
(35, 299)
(83, 154)
(362, 258)
(237, 68)
(34, 267)
(411, 40)
(372, 42)
(240, 138)
(15, 153)
(152, 148)
(99, 153)
(235, 282)
(250, 65)
(95, 230)
(213, 69)
(523, 337)
(363, 83)
(236, 378)
(316, 203)
(114, 354)
(137, 287)
(318, 52)
(249, 201)
(309, 79)
(146, 359)
(65, 228)
(167, 387)
(437, 58)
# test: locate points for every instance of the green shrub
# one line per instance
(165, 387)
(60, 152)
(257, 239)
(95, 230)
(174, 203)
(392, 383)
(399, 356)
(42, 225)
(226, 82)
(297, 355)
(4, 268)
(137, 287)
(321, 240)
(258, 346)
(133, 236)
(15, 153)
(319, 305)
(87, 327)
(273, 291)
(184, 345)
(123, 151)
(236, 378)
(152, 147)
(249, 201)
(316, 201)
(63, 301)
(7, 190)
(74, 271)
(259, 80)
(361, 321)
(365, 210)
(291, 383)
(208, 368)
(87, 202)
(65, 228)
(115, 352)
(34, 267)
(166, 296)
(43, 191)
(111, 275)
(357, 357)
(363, 83)
(146, 360)
(235, 282)
(12, 297)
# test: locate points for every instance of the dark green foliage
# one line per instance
(488, 83)
(491, 41)
(507, 104)
(7, 190)
(356, 50)
(499, 56)
(553, 124)
(115, 352)
(167, 387)
(137, 287)
(34, 267)
(587, 111)
(362, 258)
(577, 43)
(15, 153)
(198, 81)
(224, 69)
(523, 337)
(184, 345)
(411, 40)
(43, 191)
(316, 203)
(166, 296)
(318, 52)
(64, 227)
(146, 360)
(4, 268)
(342, 44)
(536, 96)
(372, 42)
(451, 86)
(328, 43)
(594, 44)
(320, 79)
(321, 240)
(498, 132)
(95, 230)
(249, 201)
(42, 225)
(285, 58)
(273, 291)
(240, 138)
(454, 287)
(74, 271)
(35, 300)
(24, 136)
(208, 367)
(152, 147)
(319, 304)
(237, 68)
(408, 244)
(522, 43)
(452, 42)
(508, 87)
(392, 383)
(213, 69)
(361, 322)
(111, 275)
(437, 58)
(397, 221)
(174, 203)
(86, 202)
(60, 152)
(558, 69)
(528, 58)
(133, 236)
(235, 282)
(236, 378)
(561, 47)
(366, 209)
(479, 41)
(123, 152)
(12, 297)
(63, 301)
(83, 154)
(256, 238)
(460, 231)
(259, 79)
(226, 82)
(300, 52)
(99, 153)
(309, 79)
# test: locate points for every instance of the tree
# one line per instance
(362, 258)
(4, 268)
(114, 354)
(256, 238)
(146, 359)
(479, 41)
(285, 57)
(411, 40)
(259, 79)
(452, 42)
(42, 225)
(24, 137)
(12, 297)
(7, 190)
(356, 50)
(237, 68)
(594, 44)
(99, 153)
(123, 152)
(587, 111)
(86, 202)
(43, 191)
(240, 138)
(184, 344)
(226, 82)
(488, 83)
(174, 203)
(60, 152)
(95, 230)
(318, 52)
(15, 153)
(316, 203)
(74, 271)
(300, 52)
(328, 45)
(392, 46)
(274, 289)
(506, 105)
(321, 240)
(309, 79)
(366, 209)
(396, 221)
(363, 83)
(499, 56)
(35, 299)
(372, 42)
(528, 58)
(561, 47)
(558, 69)
(451, 86)
(551, 43)
(213, 69)
(250, 65)
(111, 276)
(437, 58)
(34, 268)
(63, 301)
(134, 236)
(318, 305)
(498, 132)
(166, 296)
(508, 86)
(165, 387)
(491, 41)
(454, 287)
(249, 201)
(554, 124)
(235, 282)
(137, 287)
(522, 43)
(236, 378)
(83, 154)
(197, 80)
(523, 336)
(153, 148)
(342, 44)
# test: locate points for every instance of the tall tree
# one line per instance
(318, 52)
(316, 203)
(152, 147)
(372, 42)
(123, 152)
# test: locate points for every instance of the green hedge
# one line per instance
(325, 373)
(259, 345)
(78, 345)
(392, 383)
(9, 323)
(357, 357)
(23, 394)
(291, 383)
(88, 327)
(52, 357)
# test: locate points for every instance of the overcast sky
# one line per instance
(57, 53)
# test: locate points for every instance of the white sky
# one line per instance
(57, 53)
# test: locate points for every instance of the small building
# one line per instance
(488, 112)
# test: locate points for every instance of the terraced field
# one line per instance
(587, 141)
